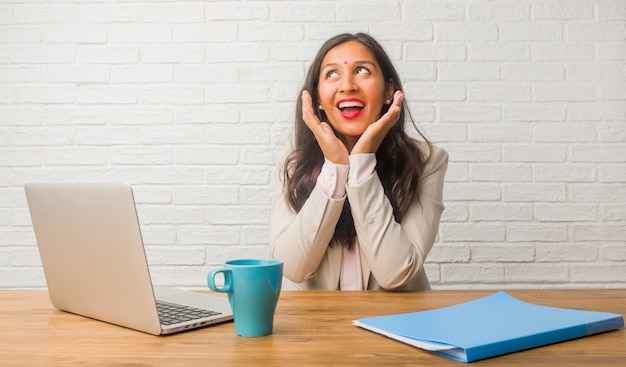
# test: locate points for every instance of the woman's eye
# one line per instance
(362, 70)
(332, 74)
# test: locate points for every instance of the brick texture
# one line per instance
(189, 102)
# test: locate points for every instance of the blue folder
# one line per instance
(490, 326)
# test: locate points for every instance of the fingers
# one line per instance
(308, 115)
(398, 97)
(332, 148)
(391, 116)
(376, 132)
(307, 111)
(395, 108)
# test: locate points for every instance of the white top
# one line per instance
(334, 178)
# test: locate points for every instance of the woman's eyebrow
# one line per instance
(360, 62)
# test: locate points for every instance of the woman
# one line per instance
(356, 202)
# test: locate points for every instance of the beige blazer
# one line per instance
(392, 254)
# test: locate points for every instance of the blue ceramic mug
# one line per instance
(253, 287)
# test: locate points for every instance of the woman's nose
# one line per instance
(348, 84)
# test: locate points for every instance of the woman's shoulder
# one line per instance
(284, 148)
(432, 152)
(436, 157)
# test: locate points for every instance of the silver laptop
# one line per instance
(95, 264)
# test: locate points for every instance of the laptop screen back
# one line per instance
(92, 252)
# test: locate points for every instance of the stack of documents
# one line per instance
(490, 326)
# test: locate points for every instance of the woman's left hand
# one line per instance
(375, 133)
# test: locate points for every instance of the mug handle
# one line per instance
(228, 280)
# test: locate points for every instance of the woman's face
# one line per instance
(352, 89)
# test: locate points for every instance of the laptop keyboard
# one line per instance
(173, 314)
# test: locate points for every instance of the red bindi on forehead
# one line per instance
(345, 63)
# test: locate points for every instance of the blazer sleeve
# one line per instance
(301, 239)
(395, 252)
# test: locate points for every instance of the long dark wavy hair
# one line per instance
(400, 161)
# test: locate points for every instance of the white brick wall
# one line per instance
(188, 102)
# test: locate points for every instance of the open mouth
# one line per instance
(350, 108)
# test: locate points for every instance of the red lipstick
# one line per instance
(350, 108)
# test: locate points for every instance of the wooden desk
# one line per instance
(310, 329)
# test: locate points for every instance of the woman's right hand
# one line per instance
(333, 149)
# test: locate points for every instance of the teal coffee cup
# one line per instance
(253, 287)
